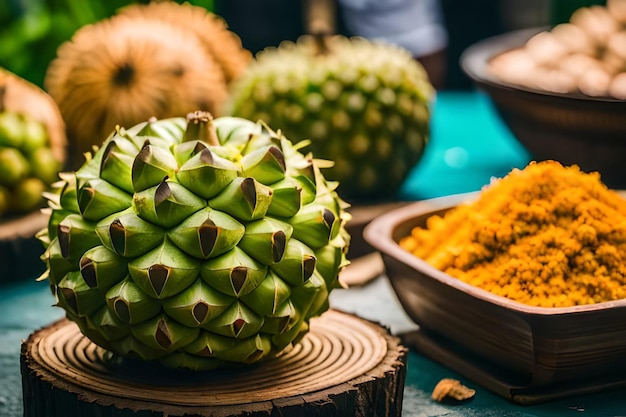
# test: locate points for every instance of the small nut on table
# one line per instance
(451, 389)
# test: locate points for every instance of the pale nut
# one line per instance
(617, 9)
(616, 45)
(513, 66)
(575, 39)
(554, 81)
(596, 21)
(578, 64)
(617, 89)
(451, 389)
(545, 48)
(595, 82)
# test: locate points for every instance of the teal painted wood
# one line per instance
(469, 145)
(27, 306)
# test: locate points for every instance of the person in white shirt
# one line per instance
(416, 25)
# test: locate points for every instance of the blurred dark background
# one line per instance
(31, 30)
(268, 22)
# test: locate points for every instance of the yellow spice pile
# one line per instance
(547, 235)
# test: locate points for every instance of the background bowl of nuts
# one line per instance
(562, 90)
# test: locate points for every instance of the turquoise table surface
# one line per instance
(469, 146)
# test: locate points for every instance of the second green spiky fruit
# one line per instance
(364, 105)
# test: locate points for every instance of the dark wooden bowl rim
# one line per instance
(475, 58)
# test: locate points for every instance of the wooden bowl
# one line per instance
(20, 250)
(571, 128)
(526, 347)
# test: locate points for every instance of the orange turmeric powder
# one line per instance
(547, 235)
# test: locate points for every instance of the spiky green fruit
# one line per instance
(363, 105)
(197, 243)
(28, 164)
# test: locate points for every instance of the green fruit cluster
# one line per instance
(363, 105)
(27, 163)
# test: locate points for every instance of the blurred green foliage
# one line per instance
(32, 30)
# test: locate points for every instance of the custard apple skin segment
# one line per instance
(197, 243)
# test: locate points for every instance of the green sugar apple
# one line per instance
(197, 243)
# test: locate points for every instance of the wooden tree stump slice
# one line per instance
(20, 250)
(344, 366)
